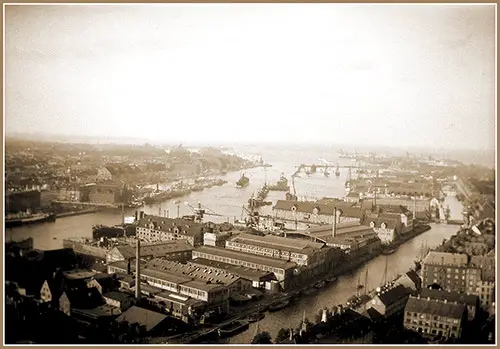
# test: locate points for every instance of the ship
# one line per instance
(281, 185)
(243, 181)
(28, 218)
(388, 250)
(233, 328)
(255, 317)
(337, 170)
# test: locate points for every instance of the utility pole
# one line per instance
(334, 225)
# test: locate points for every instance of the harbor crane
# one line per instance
(199, 212)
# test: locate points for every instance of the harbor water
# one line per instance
(228, 201)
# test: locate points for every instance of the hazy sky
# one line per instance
(357, 74)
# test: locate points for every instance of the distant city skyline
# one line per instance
(413, 76)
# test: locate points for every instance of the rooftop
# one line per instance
(394, 294)
(248, 257)
(149, 319)
(445, 258)
(165, 275)
(185, 227)
(435, 307)
(278, 242)
(244, 272)
(117, 296)
(155, 250)
(468, 299)
(77, 274)
(345, 209)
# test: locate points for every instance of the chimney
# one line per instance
(138, 271)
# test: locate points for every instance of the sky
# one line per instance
(390, 75)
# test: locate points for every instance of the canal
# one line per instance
(228, 200)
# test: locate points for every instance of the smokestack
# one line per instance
(138, 271)
(334, 226)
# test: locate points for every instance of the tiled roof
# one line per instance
(393, 295)
(390, 223)
(278, 242)
(185, 227)
(243, 256)
(468, 299)
(345, 209)
(149, 319)
(200, 285)
(351, 228)
(165, 275)
(435, 307)
(445, 258)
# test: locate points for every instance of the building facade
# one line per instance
(156, 228)
(448, 270)
(435, 318)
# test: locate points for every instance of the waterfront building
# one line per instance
(180, 251)
(47, 197)
(435, 318)
(21, 201)
(119, 300)
(156, 228)
(448, 270)
(469, 300)
(283, 270)
(421, 206)
(233, 282)
(316, 213)
(300, 251)
(217, 238)
(260, 279)
(390, 300)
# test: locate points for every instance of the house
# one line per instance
(400, 213)
(38, 289)
(410, 280)
(390, 300)
(126, 281)
(151, 320)
(470, 300)
(176, 250)
(120, 300)
(435, 318)
(79, 298)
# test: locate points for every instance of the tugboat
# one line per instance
(243, 181)
(233, 328)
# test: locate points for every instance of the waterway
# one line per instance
(228, 200)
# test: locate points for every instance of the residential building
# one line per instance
(156, 228)
(448, 270)
(180, 251)
(471, 301)
(299, 251)
(435, 318)
(283, 270)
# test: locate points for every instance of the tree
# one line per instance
(262, 338)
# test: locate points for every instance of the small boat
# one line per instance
(320, 284)
(279, 305)
(233, 328)
(255, 317)
(332, 279)
(388, 251)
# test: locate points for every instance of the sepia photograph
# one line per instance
(249, 173)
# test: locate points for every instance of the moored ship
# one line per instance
(233, 328)
(281, 185)
(28, 218)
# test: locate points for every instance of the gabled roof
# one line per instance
(278, 242)
(149, 319)
(413, 276)
(345, 209)
(435, 307)
(187, 228)
(155, 250)
(390, 223)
